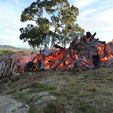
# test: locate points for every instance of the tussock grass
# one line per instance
(90, 91)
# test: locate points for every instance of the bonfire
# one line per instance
(58, 59)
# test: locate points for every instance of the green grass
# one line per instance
(86, 92)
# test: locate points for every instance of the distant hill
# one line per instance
(9, 47)
(5, 47)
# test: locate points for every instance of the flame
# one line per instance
(52, 60)
(101, 53)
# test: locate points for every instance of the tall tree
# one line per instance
(54, 21)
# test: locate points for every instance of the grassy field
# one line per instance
(88, 91)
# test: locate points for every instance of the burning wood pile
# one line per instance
(86, 51)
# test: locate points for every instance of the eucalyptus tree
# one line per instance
(54, 21)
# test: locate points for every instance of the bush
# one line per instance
(6, 52)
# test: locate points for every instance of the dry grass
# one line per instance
(86, 92)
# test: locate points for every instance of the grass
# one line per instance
(22, 97)
(90, 91)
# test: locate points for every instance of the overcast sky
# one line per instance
(94, 16)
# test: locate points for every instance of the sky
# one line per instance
(94, 16)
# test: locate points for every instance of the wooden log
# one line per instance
(6, 69)
(2, 65)
(9, 69)
(57, 46)
(72, 45)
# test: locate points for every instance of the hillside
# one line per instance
(8, 47)
(89, 91)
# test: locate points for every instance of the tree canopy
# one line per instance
(54, 21)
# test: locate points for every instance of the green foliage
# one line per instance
(6, 52)
(54, 21)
